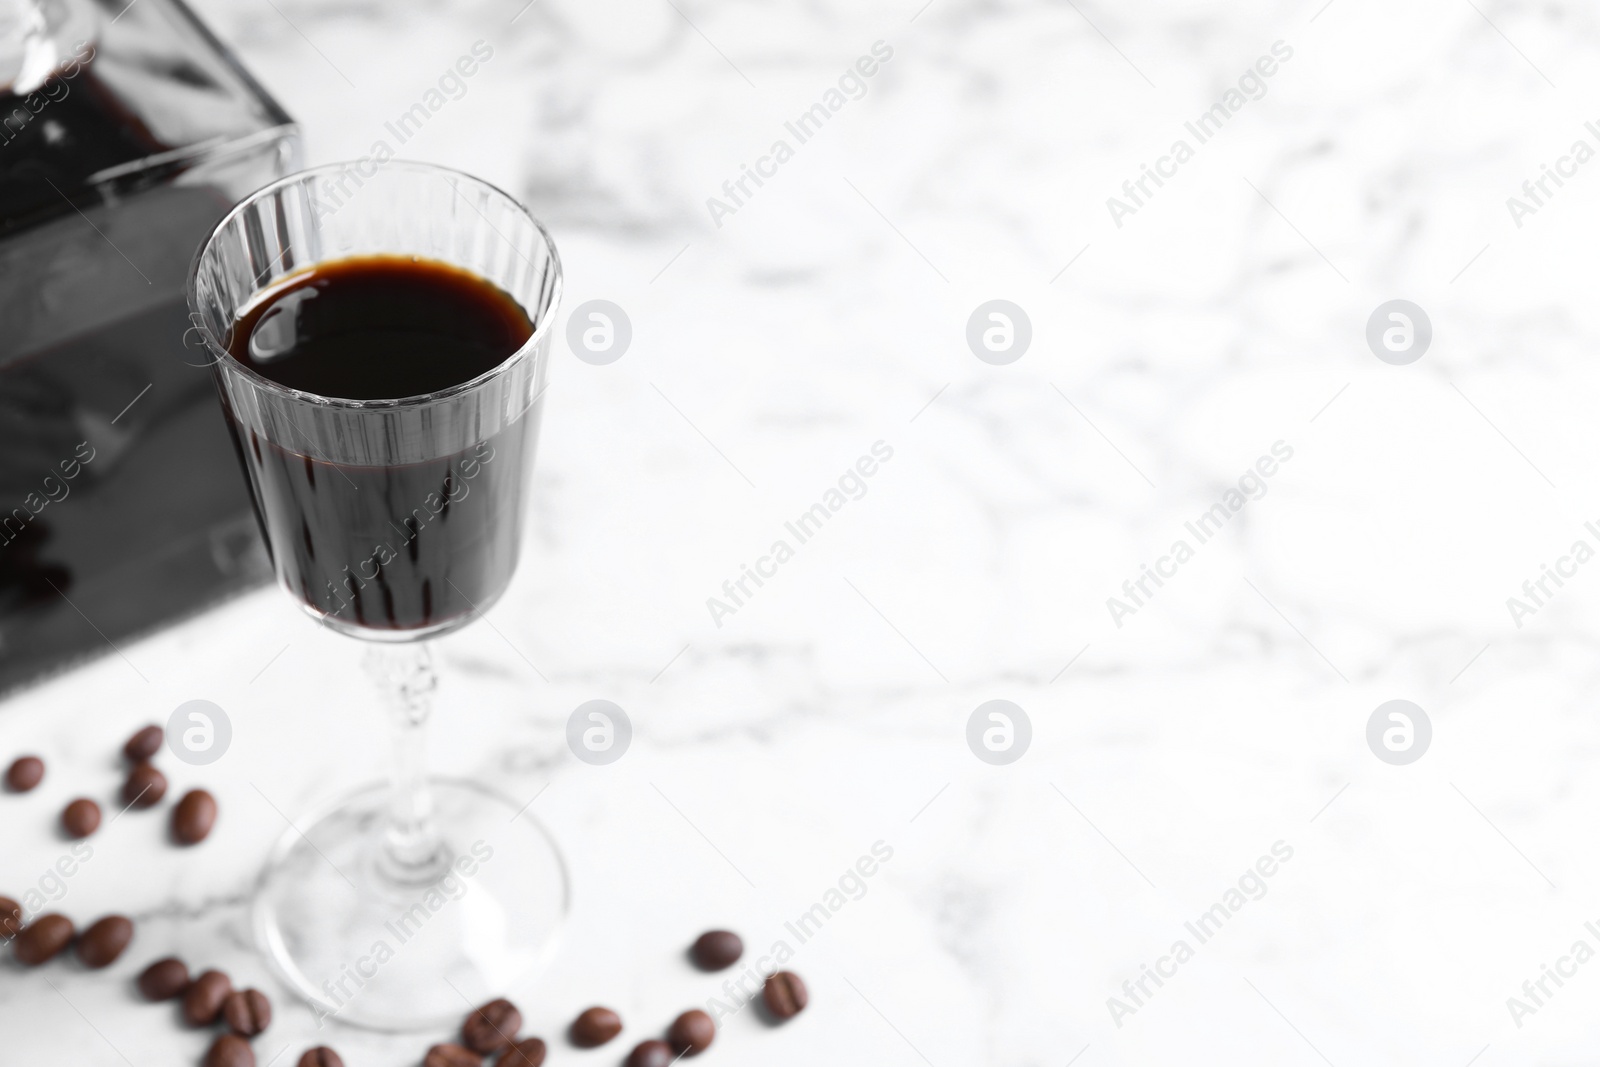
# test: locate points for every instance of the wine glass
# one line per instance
(394, 521)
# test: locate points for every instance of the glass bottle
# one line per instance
(126, 132)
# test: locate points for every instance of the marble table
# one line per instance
(1357, 530)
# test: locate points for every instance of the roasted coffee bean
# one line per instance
(716, 949)
(491, 1027)
(230, 1050)
(24, 773)
(650, 1054)
(248, 1012)
(529, 1052)
(80, 818)
(104, 941)
(321, 1056)
(451, 1056)
(145, 787)
(10, 918)
(692, 1032)
(595, 1027)
(785, 994)
(202, 1002)
(144, 744)
(164, 979)
(194, 816)
(42, 939)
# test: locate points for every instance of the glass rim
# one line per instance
(220, 354)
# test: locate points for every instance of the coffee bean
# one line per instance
(194, 816)
(321, 1056)
(202, 1002)
(650, 1054)
(144, 744)
(529, 1052)
(230, 1050)
(692, 1032)
(42, 939)
(716, 949)
(785, 994)
(491, 1027)
(164, 979)
(595, 1027)
(451, 1056)
(248, 1012)
(80, 818)
(104, 941)
(10, 918)
(145, 787)
(24, 773)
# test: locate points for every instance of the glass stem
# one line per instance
(412, 852)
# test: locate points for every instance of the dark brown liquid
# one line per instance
(387, 547)
(380, 328)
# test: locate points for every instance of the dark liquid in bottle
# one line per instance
(387, 547)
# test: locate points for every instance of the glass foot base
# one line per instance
(371, 949)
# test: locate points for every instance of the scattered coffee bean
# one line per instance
(785, 994)
(230, 1050)
(194, 816)
(529, 1052)
(164, 979)
(42, 939)
(716, 949)
(104, 941)
(248, 1012)
(24, 773)
(202, 1002)
(451, 1056)
(491, 1027)
(650, 1054)
(145, 787)
(80, 818)
(10, 918)
(144, 744)
(595, 1027)
(321, 1056)
(692, 1032)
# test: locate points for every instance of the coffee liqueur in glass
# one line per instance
(381, 367)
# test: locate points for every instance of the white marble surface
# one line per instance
(1226, 715)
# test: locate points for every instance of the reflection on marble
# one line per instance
(828, 714)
